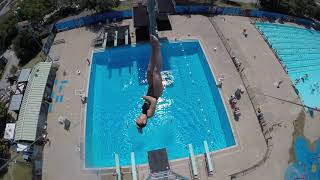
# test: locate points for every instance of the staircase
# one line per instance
(166, 175)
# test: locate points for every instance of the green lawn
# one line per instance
(125, 5)
(18, 170)
(122, 8)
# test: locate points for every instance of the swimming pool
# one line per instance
(189, 111)
(299, 51)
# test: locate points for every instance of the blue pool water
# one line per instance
(299, 51)
(189, 111)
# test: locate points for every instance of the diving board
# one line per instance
(194, 166)
(118, 170)
(133, 167)
(209, 165)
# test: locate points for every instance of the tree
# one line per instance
(99, 5)
(302, 8)
(3, 111)
(35, 10)
(270, 4)
(8, 30)
(13, 69)
(316, 12)
(25, 46)
(67, 3)
(4, 154)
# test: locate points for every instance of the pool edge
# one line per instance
(229, 149)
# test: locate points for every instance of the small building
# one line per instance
(24, 75)
(22, 81)
(34, 107)
(15, 102)
(9, 131)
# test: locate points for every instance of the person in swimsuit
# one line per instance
(155, 88)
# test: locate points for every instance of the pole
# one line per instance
(152, 17)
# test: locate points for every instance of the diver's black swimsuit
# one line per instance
(146, 105)
(150, 92)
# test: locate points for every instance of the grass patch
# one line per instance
(121, 8)
(124, 5)
(19, 171)
(39, 58)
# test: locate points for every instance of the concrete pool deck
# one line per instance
(263, 70)
(62, 159)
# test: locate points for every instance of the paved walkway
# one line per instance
(61, 158)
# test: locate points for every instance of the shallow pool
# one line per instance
(189, 111)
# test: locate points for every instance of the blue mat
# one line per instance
(307, 164)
